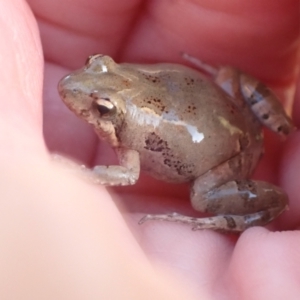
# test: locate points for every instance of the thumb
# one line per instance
(21, 77)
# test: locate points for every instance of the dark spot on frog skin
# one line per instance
(94, 96)
(155, 143)
(153, 79)
(182, 169)
(167, 162)
(245, 188)
(259, 94)
(230, 222)
(265, 116)
(191, 109)
(75, 91)
(253, 100)
(189, 80)
(185, 169)
(283, 129)
(127, 83)
(245, 185)
(155, 103)
(232, 108)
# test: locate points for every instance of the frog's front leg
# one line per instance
(238, 203)
(127, 173)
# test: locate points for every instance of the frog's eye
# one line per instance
(105, 107)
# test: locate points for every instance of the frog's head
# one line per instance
(94, 93)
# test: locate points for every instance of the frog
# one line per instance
(201, 125)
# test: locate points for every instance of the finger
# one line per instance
(40, 206)
(70, 240)
(21, 79)
(250, 37)
(71, 31)
(272, 264)
(289, 167)
(246, 36)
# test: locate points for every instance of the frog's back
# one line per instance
(182, 124)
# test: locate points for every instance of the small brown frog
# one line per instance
(180, 126)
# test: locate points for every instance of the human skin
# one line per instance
(64, 238)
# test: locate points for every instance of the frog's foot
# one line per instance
(224, 223)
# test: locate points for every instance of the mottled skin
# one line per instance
(179, 126)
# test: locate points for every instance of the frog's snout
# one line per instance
(64, 86)
(61, 88)
(75, 96)
(68, 90)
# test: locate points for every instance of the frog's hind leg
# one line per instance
(261, 100)
(238, 204)
(244, 88)
(265, 105)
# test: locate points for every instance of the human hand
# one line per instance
(66, 231)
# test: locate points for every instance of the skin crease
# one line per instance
(56, 240)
